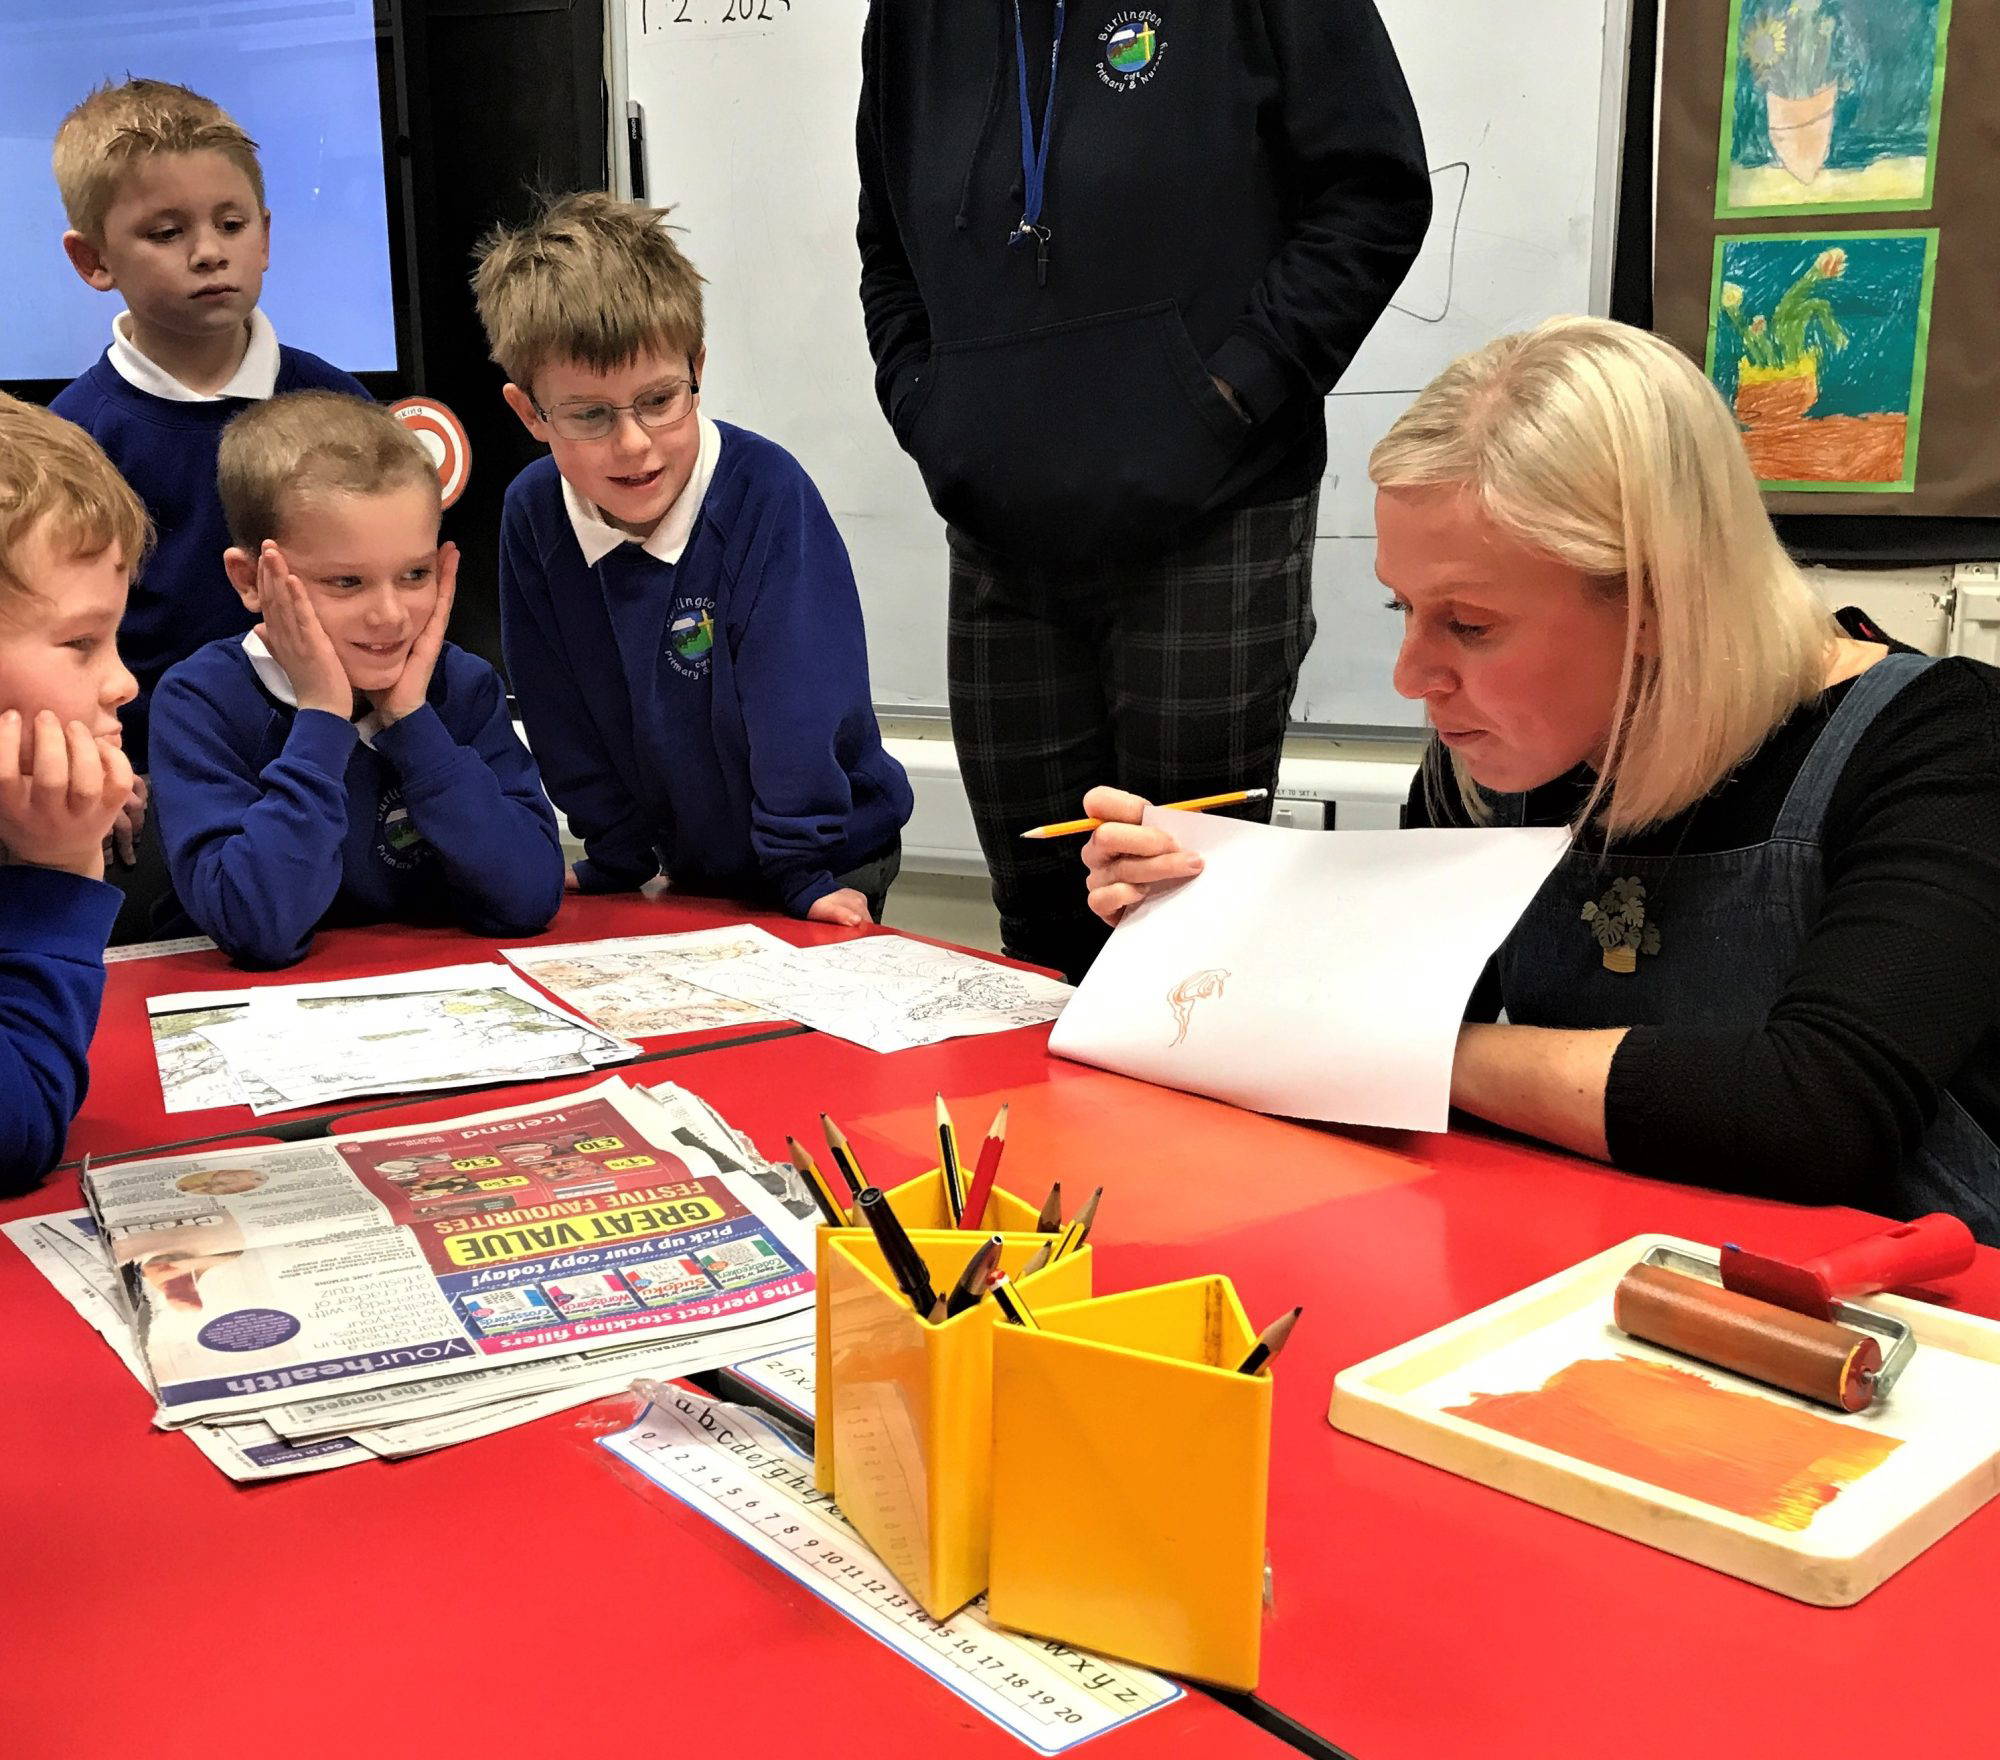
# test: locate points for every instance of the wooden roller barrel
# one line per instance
(1814, 1359)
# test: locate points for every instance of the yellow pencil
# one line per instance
(1078, 1230)
(1201, 804)
(1013, 1307)
(953, 1174)
(831, 1207)
(843, 1156)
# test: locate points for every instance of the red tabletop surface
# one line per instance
(124, 1110)
(1417, 1614)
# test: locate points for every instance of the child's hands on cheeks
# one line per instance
(846, 907)
(291, 630)
(1127, 859)
(60, 791)
(412, 687)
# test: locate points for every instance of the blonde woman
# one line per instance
(1771, 962)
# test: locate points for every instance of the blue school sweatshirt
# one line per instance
(53, 928)
(277, 820)
(709, 716)
(167, 451)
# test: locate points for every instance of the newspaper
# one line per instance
(281, 1046)
(258, 1278)
(887, 992)
(643, 986)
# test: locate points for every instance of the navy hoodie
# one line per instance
(1235, 188)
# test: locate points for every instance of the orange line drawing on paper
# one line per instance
(1190, 990)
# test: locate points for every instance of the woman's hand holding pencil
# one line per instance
(1125, 858)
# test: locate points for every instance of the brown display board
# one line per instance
(1827, 242)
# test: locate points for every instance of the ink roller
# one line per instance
(1791, 1326)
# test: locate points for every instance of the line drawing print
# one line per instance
(1195, 987)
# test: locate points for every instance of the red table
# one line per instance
(1417, 1614)
(124, 1110)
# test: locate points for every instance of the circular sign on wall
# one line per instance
(443, 437)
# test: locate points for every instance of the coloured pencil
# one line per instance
(1036, 1261)
(990, 1151)
(1078, 1230)
(1270, 1342)
(1201, 804)
(952, 1173)
(843, 1156)
(1050, 1219)
(830, 1207)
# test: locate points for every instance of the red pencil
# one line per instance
(981, 1188)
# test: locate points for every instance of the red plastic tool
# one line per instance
(1938, 1245)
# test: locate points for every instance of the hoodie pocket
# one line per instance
(1074, 442)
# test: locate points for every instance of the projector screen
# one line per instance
(301, 79)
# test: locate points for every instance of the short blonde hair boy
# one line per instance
(51, 469)
(101, 138)
(1608, 449)
(589, 279)
(289, 449)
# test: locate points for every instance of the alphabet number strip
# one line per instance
(727, 1465)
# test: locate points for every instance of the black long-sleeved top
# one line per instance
(1895, 994)
(1234, 189)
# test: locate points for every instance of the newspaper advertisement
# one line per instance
(260, 1277)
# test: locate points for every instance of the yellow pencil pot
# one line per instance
(1130, 1473)
(918, 1203)
(912, 1406)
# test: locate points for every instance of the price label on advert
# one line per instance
(739, 1472)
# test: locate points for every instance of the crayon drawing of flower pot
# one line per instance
(1769, 396)
(1802, 130)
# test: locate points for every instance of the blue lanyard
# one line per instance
(1035, 158)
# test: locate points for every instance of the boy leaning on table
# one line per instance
(343, 762)
(71, 533)
(677, 610)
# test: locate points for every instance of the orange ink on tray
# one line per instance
(1671, 1428)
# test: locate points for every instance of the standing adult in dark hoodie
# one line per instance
(1112, 259)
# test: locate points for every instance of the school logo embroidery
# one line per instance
(398, 843)
(691, 636)
(1133, 48)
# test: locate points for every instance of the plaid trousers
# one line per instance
(1172, 677)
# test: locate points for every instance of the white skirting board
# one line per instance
(1363, 793)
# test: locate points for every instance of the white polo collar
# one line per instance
(277, 681)
(255, 378)
(597, 537)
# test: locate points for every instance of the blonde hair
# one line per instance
(51, 469)
(589, 279)
(1607, 449)
(310, 443)
(101, 138)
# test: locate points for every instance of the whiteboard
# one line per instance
(748, 110)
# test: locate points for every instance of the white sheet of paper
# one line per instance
(887, 992)
(1310, 974)
(640, 986)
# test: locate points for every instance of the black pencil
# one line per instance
(1050, 1218)
(1270, 1342)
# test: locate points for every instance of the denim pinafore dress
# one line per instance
(1728, 927)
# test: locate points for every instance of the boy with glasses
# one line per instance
(678, 615)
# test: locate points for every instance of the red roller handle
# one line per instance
(1934, 1246)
